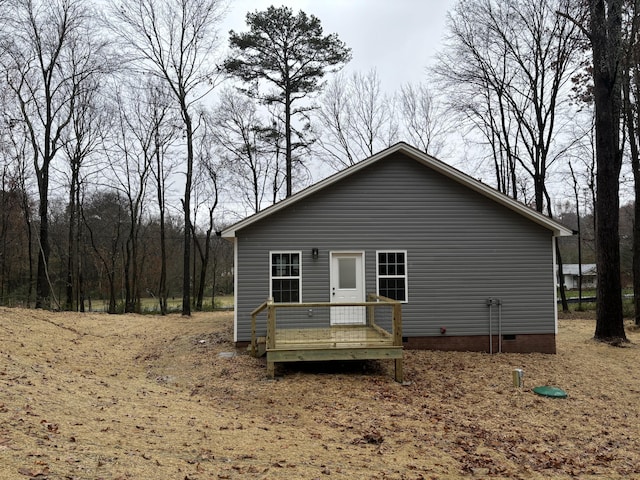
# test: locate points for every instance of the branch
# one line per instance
(586, 32)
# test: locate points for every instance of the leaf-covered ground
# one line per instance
(93, 396)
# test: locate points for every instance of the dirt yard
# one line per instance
(95, 396)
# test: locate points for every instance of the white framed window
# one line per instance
(391, 274)
(285, 277)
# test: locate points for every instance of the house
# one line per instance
(571, 274)
(474, 270)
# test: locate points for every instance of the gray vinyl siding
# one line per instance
(462, 248)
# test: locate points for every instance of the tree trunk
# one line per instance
(128, 287)
(186, 205)
(636, 252)
(632, 81)
(26, 212)
(162, 283)
(43, 291)
(204, 254)
(563, 293)
(606, 21)
(203, 272)
(79, 297)
(71, 247)
(287, 135)
(576, 193)
(112, 293)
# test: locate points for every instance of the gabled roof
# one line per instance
(427, 161)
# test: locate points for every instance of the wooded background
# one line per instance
(132, 132)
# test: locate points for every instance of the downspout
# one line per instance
(499, 325)
(555, 279)
(490, 304)
(235, 288)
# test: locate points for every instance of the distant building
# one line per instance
(571, 274)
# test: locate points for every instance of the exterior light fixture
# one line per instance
(314, 253)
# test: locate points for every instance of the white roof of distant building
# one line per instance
(572, 269)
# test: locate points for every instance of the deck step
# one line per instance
(261, 347)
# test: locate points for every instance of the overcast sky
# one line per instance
(397, 37)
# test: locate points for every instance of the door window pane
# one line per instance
(347, 273)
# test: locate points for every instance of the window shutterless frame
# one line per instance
(392, 279)
(285, 276)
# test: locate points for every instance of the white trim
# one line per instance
(299, 276)
(235, 290)
(555, 283)
(426, 160)
(406, 273)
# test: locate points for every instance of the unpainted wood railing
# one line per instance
(373, 302)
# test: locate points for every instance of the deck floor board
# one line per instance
(336, 337)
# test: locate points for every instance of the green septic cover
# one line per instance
(554, 392)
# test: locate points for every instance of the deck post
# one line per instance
(397, 324)
(371, 318)
(397, 339)
(271, 336)
(271, 324)
(254, 338)
(399, 376)
(254, 347)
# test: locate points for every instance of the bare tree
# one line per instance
(159, 122)
(49, 52)
(15, 148)
(238, 132)
(129, 156)
(80, 141)
(508, 66)
(174, 40)
(356, 119)
(207, 188)
(576, 194)
(421, 119)
(334, 116)
(372, 118)
(478, 98)
(13, 240)
(104, 217)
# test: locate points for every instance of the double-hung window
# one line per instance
(286, 277)
(392, 274)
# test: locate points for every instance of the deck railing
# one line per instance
(382, 314)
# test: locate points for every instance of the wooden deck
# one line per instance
(336, 342)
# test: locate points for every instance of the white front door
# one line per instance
(347, 286)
